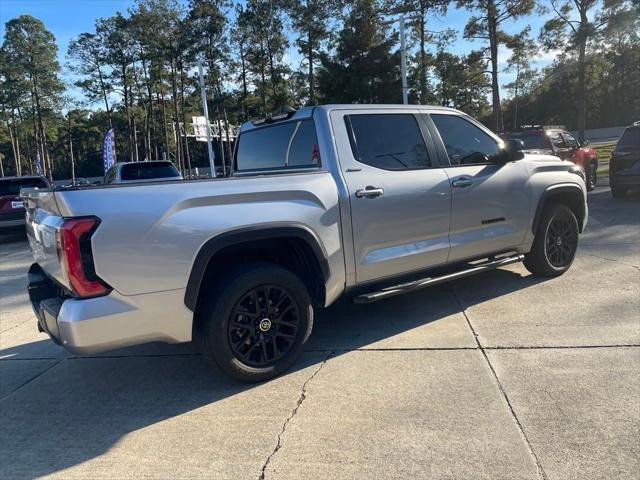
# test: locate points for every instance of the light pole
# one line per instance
(403, 55)
(203, 96)
(403, 63)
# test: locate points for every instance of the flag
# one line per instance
(38, 166)
(109, 150)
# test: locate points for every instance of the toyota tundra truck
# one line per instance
(365, 201)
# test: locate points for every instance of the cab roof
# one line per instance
(307, 112)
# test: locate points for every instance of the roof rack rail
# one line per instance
(284, 113)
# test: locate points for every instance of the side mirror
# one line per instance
(513, 150)
(585, 143)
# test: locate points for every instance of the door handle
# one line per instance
(462, 182)
(369, 192)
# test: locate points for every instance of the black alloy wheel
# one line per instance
(555, 243)
(254, 321)
(263, 325)
(561, 241)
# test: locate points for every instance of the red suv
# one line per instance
(557, 141)
(11, 207)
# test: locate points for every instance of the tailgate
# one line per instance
(42, 219)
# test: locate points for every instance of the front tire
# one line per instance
(256, 323)
(555, 243)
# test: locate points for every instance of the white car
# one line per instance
(134, 172)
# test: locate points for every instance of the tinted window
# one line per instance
(630, 140)
(570, 140)
(465, 143)
(291, 144)
(532, 140)
(148, 171)
(304, 149)
(12, 187)
(556, 139)
(388, 141)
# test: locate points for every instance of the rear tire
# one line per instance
(256, 322)
(592, 176)
(555, 243)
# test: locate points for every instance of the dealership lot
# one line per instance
(501, 375)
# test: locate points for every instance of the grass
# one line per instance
(604, 153)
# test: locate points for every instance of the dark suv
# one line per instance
(11, 207)
(624, 166)
(557, 141)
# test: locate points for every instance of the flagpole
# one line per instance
(203, 97)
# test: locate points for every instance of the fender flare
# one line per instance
(248, 234)
(553, 190)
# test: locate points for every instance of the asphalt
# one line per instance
(499, 376)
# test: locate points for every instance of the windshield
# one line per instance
(148, 171)
(532, 140)
(630, 139)
(12, 187)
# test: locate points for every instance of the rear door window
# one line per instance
(287, 145)
(388, 141)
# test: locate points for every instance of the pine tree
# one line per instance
(32, 51)
(364, 69)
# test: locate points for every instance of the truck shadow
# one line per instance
(80, 408)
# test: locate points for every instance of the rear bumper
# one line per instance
(94, 325)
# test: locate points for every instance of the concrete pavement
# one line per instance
(502, 375)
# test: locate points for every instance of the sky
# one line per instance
(66, 19)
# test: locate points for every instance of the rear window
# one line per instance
(630, 139)
(288, 145)
(12, 187)
(148, 171)
(532, 140)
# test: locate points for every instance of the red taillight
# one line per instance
(76, 258)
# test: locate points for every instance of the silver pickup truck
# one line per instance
(368, 201)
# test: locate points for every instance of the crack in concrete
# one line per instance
(539, 467)
(301, 399)
(611, 260)
(342, 350)
(31, 379)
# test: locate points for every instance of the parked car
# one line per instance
(557, 141)
(624, 166)
(368, 201)
(11, 205)
(136, 172)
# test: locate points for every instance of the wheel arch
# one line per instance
(567, 194)
(293, 245)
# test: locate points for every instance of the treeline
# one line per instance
(137, 71)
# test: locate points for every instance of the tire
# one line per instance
(618, 192)
(245, 336)
(555, 243)
(592, 176)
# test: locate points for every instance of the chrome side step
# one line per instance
(430, 281)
